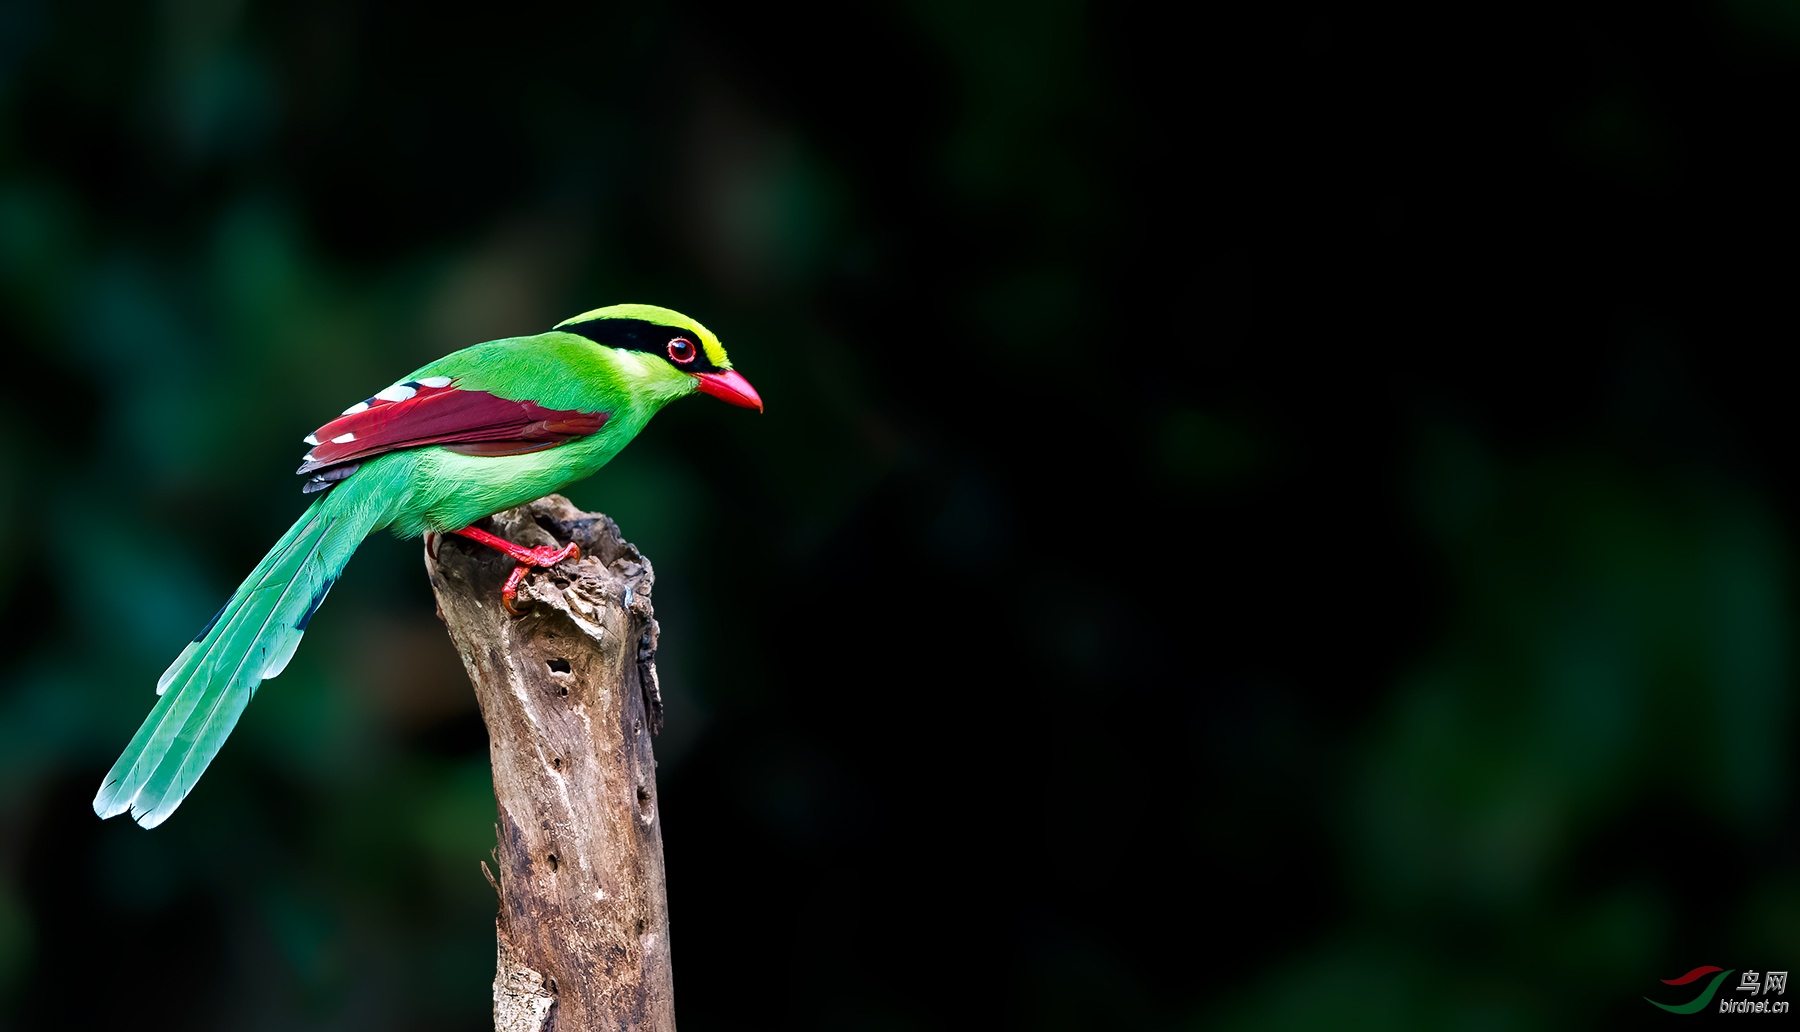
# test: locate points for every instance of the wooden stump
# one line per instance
(570, 697)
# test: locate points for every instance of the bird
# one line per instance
(476, 432)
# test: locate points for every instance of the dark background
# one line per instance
(1274, 516)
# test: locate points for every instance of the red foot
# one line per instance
(542, 555)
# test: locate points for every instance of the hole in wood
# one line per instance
(556, 761)
(559, 666)
(640, 926)
(552, 859)
(550, 984)
(559, 582)
(565, 690)
(643, 797)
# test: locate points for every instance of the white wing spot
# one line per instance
(310, 439)
(398, 392)
(434, 382)
(361, 406)
(343, 438)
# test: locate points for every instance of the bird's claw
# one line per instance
(550, 555)
(541, 556)
(510, 593)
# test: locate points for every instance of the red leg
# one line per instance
(542, 555)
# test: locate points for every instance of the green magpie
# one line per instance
(478, 431)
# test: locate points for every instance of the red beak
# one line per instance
(731, 388)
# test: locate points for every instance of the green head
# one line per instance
(664, 353)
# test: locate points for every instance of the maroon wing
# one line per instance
(433, 411)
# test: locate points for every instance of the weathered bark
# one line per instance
(570, 697)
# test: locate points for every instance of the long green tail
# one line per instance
(248, 641)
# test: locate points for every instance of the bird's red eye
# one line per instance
(681, 351)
